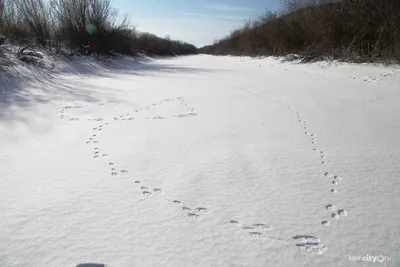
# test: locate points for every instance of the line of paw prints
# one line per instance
(255, 230)
(322, 156)
(336, 180)
(261, 231)
(99, 153)
(196, 213)
(130, 116)
(374, 79)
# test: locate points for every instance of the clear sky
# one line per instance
(198, 22)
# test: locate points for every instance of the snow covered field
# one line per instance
(200, 161)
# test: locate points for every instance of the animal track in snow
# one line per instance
(326, 223)
(314, 248)
(342, 212)
(186, 209)
(194, 216)
(260, 226)
(177, 202)
(310, 244)
(330, 207)
(97, 119)
(201, 210)
(258, 235)
(335, 216)
(147, 193)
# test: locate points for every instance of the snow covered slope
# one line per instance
(200, 161)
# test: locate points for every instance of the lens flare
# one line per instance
(91, 29)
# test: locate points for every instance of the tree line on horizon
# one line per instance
(356, 30)
(81, 27)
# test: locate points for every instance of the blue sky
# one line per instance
(199, 22)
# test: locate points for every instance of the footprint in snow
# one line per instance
(157, 190)
(325, 223)
(257, 235)
(201, 210)
(335, 216)
(194, 216)
(147, 193)
(123, 171)
(337, 178)
(260, 226)
(234, 222)
(330, 207)
(114, 174)
(333, 191)
(111, 163)
(342, 212)
(310, 244)
(177, 202)
(186, 209)
(137, 182)
(74, 119)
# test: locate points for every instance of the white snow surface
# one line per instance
(199, 161)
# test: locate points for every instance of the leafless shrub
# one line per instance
(356, 29)
(89, 27)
